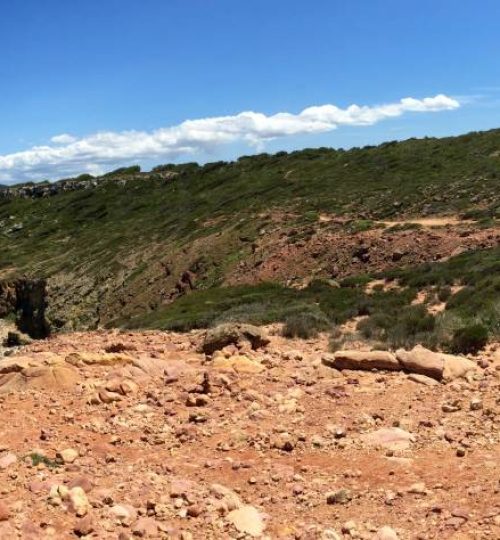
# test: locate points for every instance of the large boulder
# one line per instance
(456, 366)
(365, 360)
(439, 366)
(421, 360)
(233, 334)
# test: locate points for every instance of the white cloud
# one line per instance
(64, 138)
(69, 155)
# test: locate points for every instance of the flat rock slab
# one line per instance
(41, 372)
(422, 379)
(419, 361)
(365, 360)
(439, 366)
(81, 359)
(7, 460)
(390, 438)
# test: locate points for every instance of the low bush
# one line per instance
(37, 459)
(305, 325)
(404, 327)
(469, 339)
(444, 293)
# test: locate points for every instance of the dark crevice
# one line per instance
(26, 300)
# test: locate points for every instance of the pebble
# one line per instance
(123, 513)
(78, 501)
(247, 519)
(84, 526)
(7, 460)
(69, 455)
(386, 533)
(341, 496)
(476, 404)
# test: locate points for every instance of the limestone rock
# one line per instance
(365, 360)
(421, 360)
(68, 455)
(40, 372)
(386, 533)
(78, 501)
(226, 334)
(4, 511)
(123, 513)
(422, 379)
(230, 498)
(145, 527)
(84, 526)
(248, 520)
(81, 359)
(109, 397)
(240, 364)
(7, 460)
(122, 386)
(390, 438)
(456, 367)
(439, 366)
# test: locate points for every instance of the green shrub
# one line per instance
(37, 459)
(444, 293)
(335, 344)
(360, 225)
(305, 325)
(469, 339)
(404, 327)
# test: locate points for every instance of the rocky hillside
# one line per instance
(314, 226)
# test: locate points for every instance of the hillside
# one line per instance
(360, 402)
(186, 245)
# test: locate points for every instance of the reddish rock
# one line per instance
(4, 511)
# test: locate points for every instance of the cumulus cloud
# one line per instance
(69, 155)
(64, 138)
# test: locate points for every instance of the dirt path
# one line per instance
(442, 221)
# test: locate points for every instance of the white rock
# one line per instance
(69, 455)
(386, 533)
(247, 519)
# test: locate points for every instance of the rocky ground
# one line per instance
(113, 435)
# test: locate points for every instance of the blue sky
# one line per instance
(84, 67)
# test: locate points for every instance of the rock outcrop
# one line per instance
(365, 360)
(234, 334)
(45, 372)
(27, 300)
(421, 361)
(439, 366)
